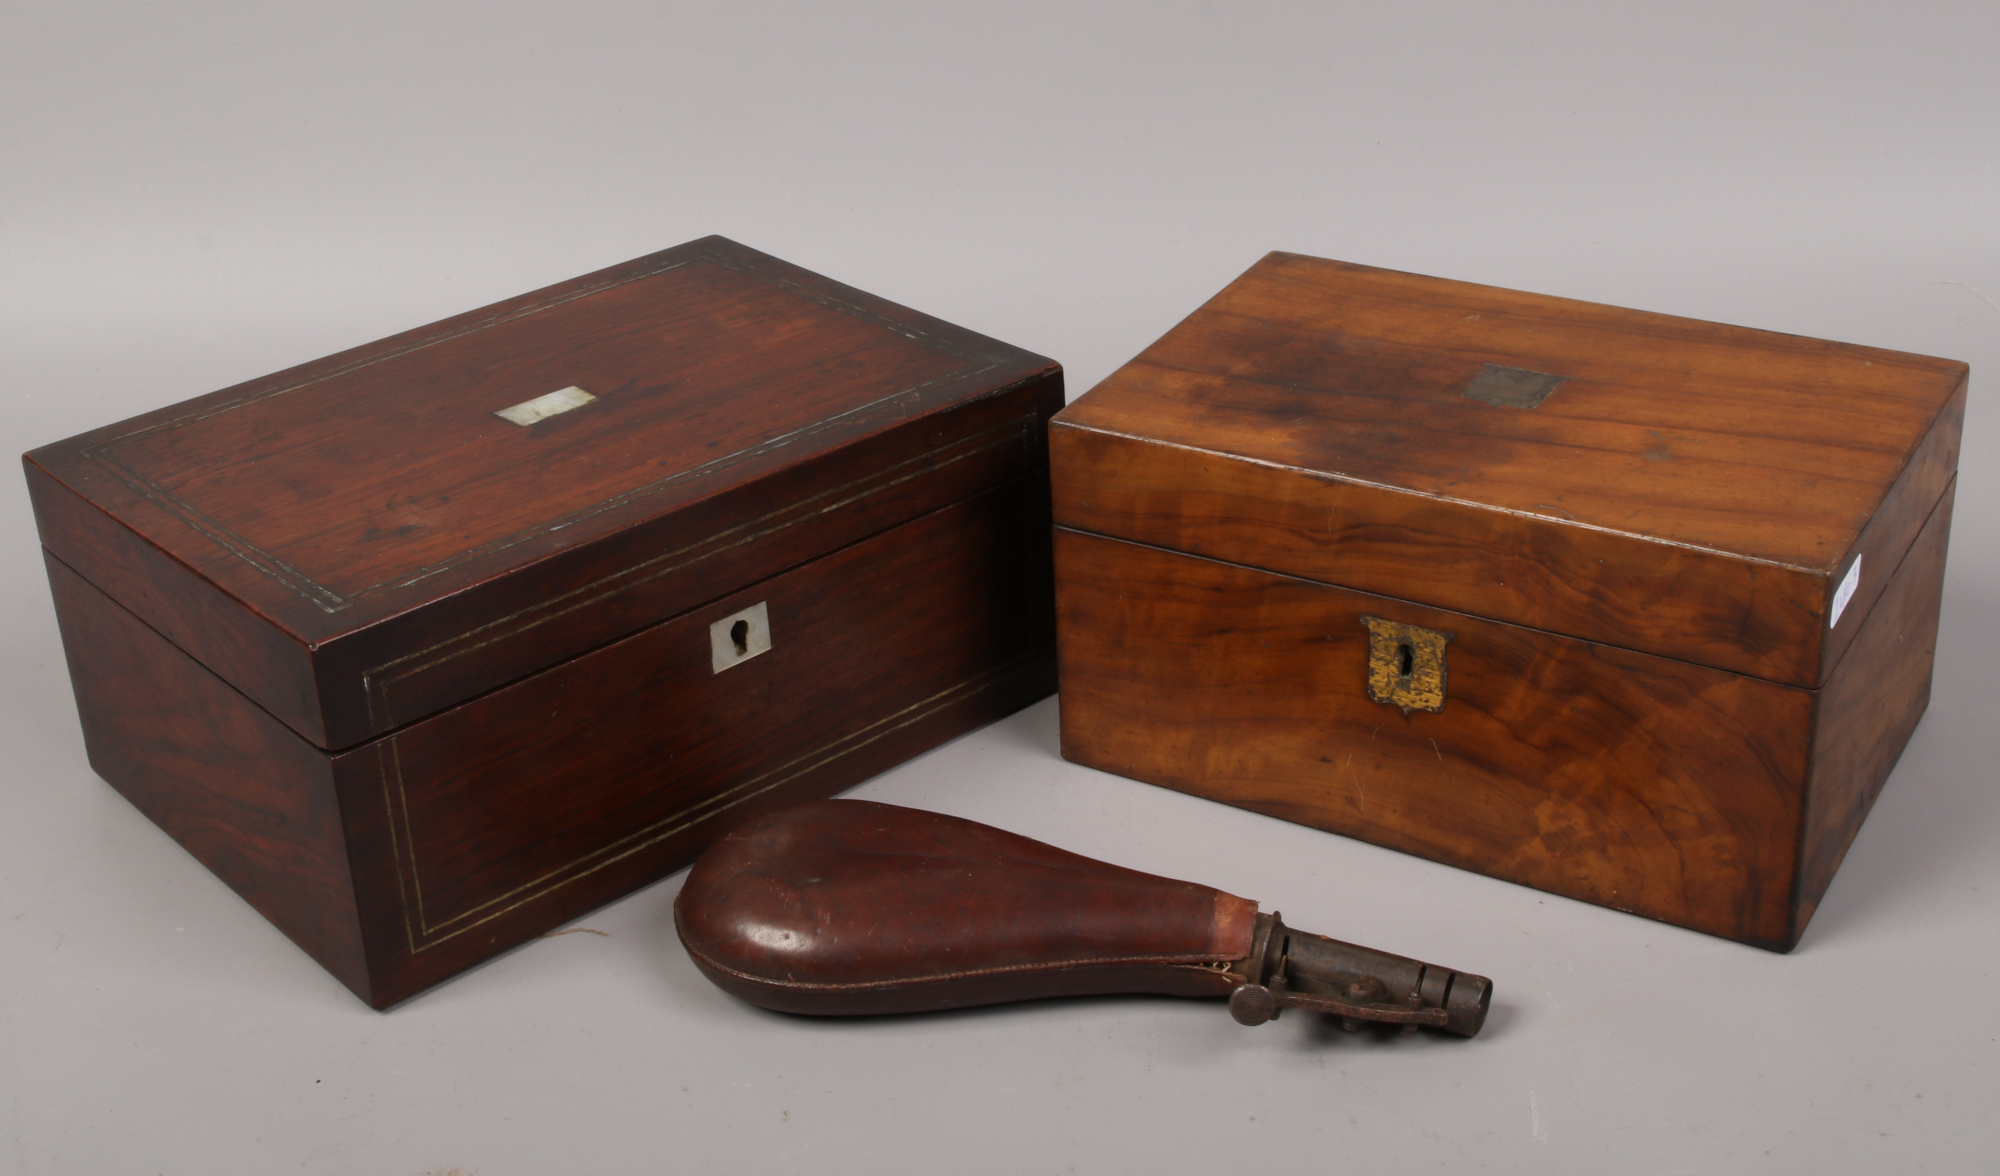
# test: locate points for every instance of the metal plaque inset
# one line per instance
(1405, 665)
(1512, 387)
(541, 408)
(740, 636)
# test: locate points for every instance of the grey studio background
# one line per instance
(192, 195)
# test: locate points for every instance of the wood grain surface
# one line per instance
(1869, 708)
(1692, 489)
(238, 789)
(401, 863)
(1707, 799)
(305, 533)
(494, 821)
(1636, 782)
(421, 682)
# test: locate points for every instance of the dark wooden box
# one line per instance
(1630, 608)
(421, 682)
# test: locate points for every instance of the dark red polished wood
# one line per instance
(421, 683)
(360, 540)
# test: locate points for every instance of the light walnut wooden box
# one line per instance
(1631, 608)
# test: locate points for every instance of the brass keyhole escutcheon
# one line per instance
(1406, 665)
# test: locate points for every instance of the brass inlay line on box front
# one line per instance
(375, 686)
(424, 935)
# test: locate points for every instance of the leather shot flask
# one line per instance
(847, 907)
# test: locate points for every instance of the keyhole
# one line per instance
(739, 634)
(1405, 659)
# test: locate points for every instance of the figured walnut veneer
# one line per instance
(1649, 697)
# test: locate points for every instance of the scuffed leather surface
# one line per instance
(848, 906)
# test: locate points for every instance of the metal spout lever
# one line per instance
(1289, 969)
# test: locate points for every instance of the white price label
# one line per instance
(1845, 592)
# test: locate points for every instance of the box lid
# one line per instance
(365, 539)
(1712, 493)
